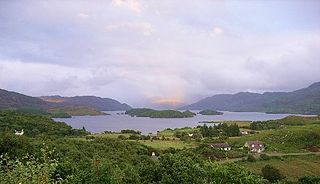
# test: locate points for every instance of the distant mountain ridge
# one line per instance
(10, 99)
(302, 101)
(101, 104)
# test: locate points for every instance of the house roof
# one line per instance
(220, 145)
(255, 144)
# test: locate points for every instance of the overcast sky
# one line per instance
(154, 52)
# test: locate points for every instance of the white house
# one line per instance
(221, 146)
(244, 133)
(255, 146)
(18, 133)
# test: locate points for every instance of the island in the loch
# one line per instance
(68, 112)
(210, 112)
(145, 112)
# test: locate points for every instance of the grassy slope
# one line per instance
(77, 111)
(285, 139)
(171, 132)
(110, 135)
(165, 144)
(292, 167)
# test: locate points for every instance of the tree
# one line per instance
(271, 173)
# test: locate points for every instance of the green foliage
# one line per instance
(134, 137)
(34, 125)
(288, 121)
(127, 131)
(272, 174)
(13, 145)
(309, 180)
(30, 169)
(144, 112)
(74, 111)
(122, 137)
(287, 138)
(221, 129)
(251, 158)
(60, 115)
(264, 157)
(210, 112)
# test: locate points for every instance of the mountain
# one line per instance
(302, 101)
(9, 99)
(101, 104)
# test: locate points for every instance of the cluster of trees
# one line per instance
(128, 131)
(264, 125)
(221, 129)
(35, 125)
(145, 112)
(115, 161)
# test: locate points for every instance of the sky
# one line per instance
(158, 53)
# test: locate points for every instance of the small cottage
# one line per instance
(19, 133)
(221, 146)
(255, 146)
(244, 133)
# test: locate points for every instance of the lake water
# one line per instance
(115, 122)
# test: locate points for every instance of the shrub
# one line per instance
(271, 173)
(134, 137)
(122, 137)
(309, 180)
(264, 157)
(251, 158)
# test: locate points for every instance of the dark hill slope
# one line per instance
(9, 99)
(304, 101)
(101, 104)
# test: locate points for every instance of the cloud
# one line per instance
(144, 27)
(83, 15)
(133, 5)
(156, 53)
(217, 30)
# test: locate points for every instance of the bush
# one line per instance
(264, 157)
(251, 158)
(30, 169)
(128, 131)
(134, 137)
(309, 180)
(122, 137)
(271, 173)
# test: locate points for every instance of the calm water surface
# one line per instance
(115, 122)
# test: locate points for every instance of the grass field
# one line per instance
(285, 139)
(110, 135)
(171, 132)
(292, 167)
(239, 123)
(165, 144)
